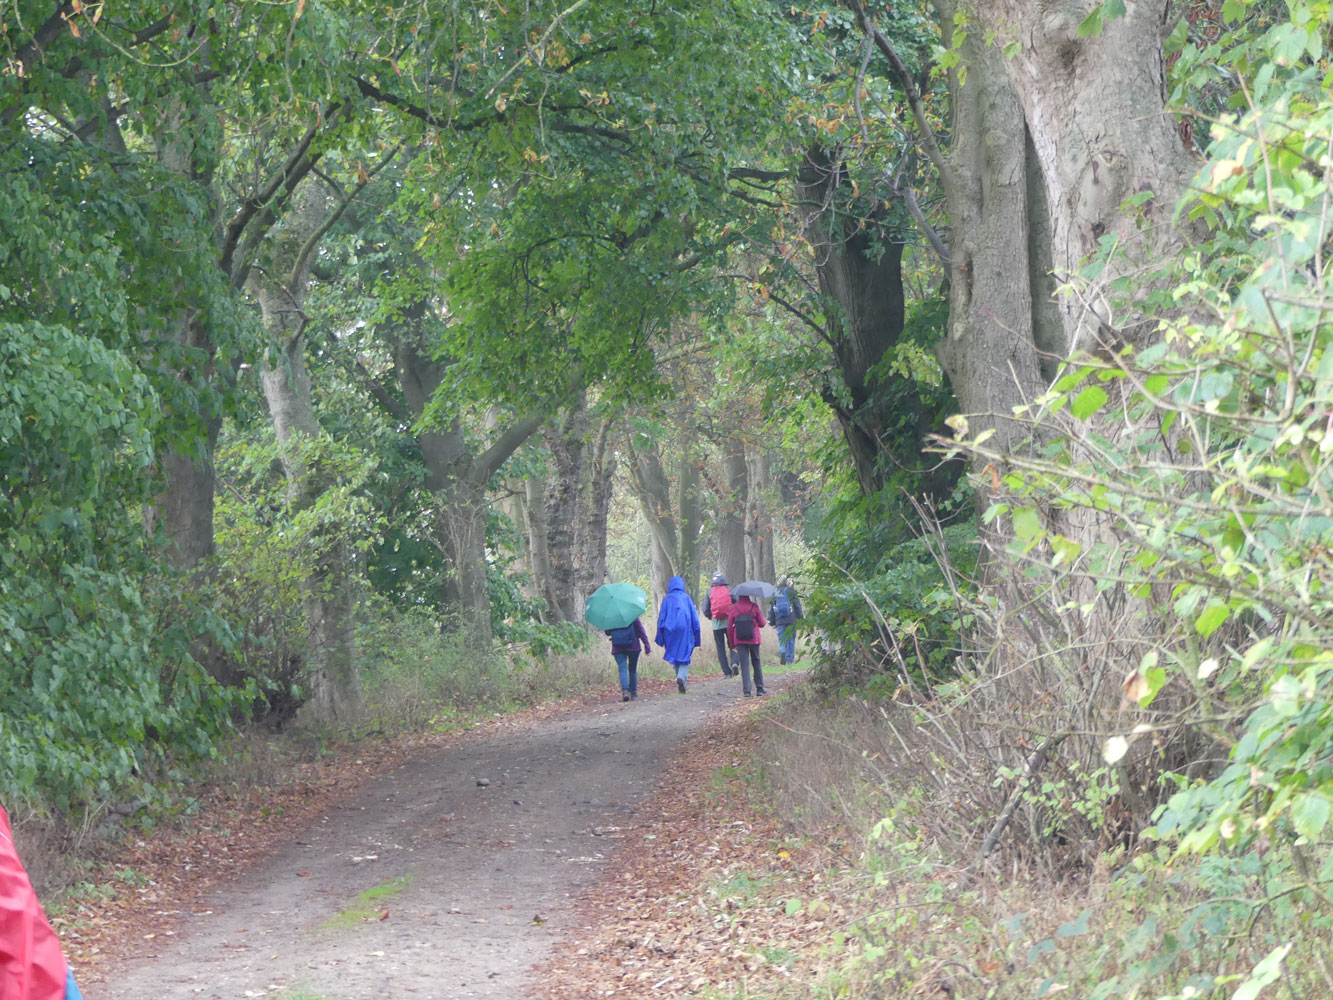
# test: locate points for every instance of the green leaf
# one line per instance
(1027, 524)
(1211, 620)
(1310, 814)
(1265, 973)
(1091, 26)
(1075, 927)
(1088, 402)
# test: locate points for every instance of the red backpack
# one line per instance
(719, 604)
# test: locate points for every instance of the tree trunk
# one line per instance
(456, 475)
(663, 571)
(184, 509)
(989, 350)
(460, 530)
(654, 491)
(731, 513)
(864, 278)
(1100, 135)
(691, 517)
(597, 510)
(758, 517)
(334, 685)
(539, 558)
(567, 442)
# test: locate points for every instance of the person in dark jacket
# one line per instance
(786, 613)
(625, 648)
(718, 607)
(743, 625)
(678, 629)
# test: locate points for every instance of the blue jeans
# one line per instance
(629, 671)
(71, 991)
(787, 641)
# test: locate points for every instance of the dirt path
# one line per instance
(472, 856)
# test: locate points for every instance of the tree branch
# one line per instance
(27, 56)
(313, 243)
(489, 461)
(928, 140)
(299, 163)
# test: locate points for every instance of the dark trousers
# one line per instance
(750, 654)
(728, 663)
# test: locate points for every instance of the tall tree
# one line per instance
(281, 287)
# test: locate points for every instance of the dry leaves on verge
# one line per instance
(707, 893)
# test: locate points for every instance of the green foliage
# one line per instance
(265, 545)
(1209, 452)
(896, 617)
(95, 676)
(417, 676)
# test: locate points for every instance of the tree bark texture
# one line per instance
(731, 512)
(184, 509)
(759, 558)
(864, 279)
(1098, 134)
(654, 491)
(333, 681)
(989, 350)
(673, 509)
(539, 557)
(567, 442)
(599, 479)
(1099, 131)
(691, 516)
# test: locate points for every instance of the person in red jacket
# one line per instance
(32, 966)
(718, 607)
(743, 625)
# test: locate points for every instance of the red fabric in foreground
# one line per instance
(32, 966)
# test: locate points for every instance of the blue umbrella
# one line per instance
(614, 605)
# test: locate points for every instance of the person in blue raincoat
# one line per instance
(678, 629)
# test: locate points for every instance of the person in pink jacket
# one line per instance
(743, 625)
(32, 966)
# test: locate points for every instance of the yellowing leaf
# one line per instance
(1135, 686)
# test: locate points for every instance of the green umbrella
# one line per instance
(615, 605)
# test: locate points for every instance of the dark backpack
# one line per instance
(744, 627)
(782, 607)
(623, 636)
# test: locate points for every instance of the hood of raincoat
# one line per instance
(677, 609)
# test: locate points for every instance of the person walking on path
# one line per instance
(786, 613)
(719, 607)
(743, 625)
(678, 630)
(625, 649)
(32, 966)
